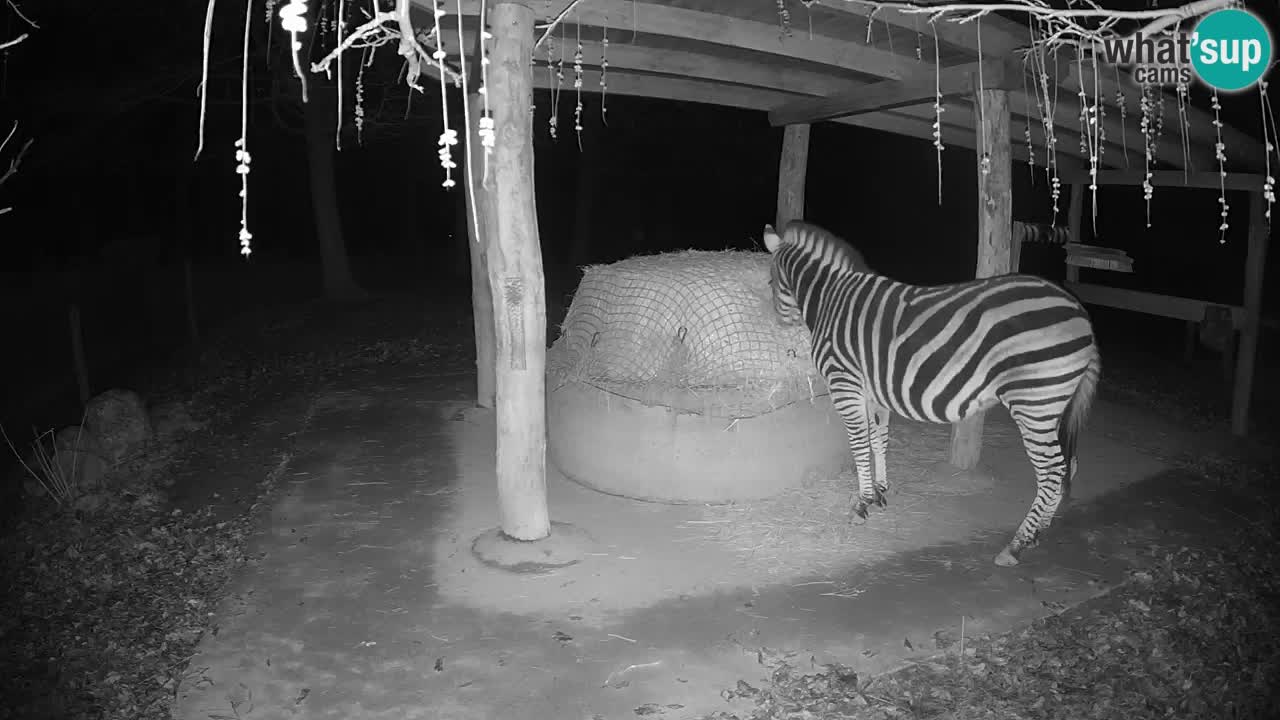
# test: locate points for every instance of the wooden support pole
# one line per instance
(1075, 224)
(516, 282)
(481, 295)
(995, 234)
(793, 166)
(1015, 253)
(998, 73)
(1246, 358)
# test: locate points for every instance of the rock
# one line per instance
(80, 457)
(119, 420)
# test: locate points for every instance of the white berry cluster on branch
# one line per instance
(1079, 28)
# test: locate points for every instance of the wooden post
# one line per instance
(1015, 253)
(481, 295)
(1246, 358)
(516, 282)
(995, 234)
(792, 168)
(1075, 224)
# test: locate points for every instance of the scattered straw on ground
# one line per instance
(809, 529)
(1195, 636)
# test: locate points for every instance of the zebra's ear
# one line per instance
(771, 240)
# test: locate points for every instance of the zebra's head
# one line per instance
(804, 255)
(784, 252)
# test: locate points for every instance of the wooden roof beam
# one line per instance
(999, 35)
(1002, 37)
(1240, 145)
(920, 87)
(954, 134)
(999, 39)
(1249, 182)
(1066, 115)
(626, 57)
(789, 85)
(626, 16)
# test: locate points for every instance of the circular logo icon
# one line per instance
(1231, 49)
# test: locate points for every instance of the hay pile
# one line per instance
(808, 530)
(693, 330)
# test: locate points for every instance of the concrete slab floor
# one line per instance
(367, 602)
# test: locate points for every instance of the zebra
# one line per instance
(940, 354)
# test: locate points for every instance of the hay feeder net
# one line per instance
(673, 381)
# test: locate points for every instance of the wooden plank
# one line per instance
(999, 36)
(739, 96)
(1124, 139)
(516, 281)
(477, 238)
(1018, 232)
(715, 29)
(1147, 303)
(998, 74)
(957, 127)
(624, 57)
(1075, 223)
(1002, 36)
(732, 73)
(793, 165)
(1170, 178)
(1202, 132)
(1254, 269)
(995, 236)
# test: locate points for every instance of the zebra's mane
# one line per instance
(823, 243)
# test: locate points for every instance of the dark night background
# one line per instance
(109, 202)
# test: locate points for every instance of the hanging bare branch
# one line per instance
(15, 162)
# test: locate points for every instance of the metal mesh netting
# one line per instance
(693, 329)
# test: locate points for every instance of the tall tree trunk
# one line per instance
(517, 286)
(321, 130)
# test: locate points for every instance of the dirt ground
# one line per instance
(315, 560)
(367, 602)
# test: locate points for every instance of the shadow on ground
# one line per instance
(366, 602)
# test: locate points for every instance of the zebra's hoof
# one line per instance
(858, 513)
(1006, 558)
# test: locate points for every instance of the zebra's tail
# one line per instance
(1074, 416)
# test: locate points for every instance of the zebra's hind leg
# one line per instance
(879, 420)
(852, 407)
(1040, 438)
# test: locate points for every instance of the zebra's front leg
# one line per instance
(879, 420)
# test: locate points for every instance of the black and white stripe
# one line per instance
(1040, 233)
(940, 354)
